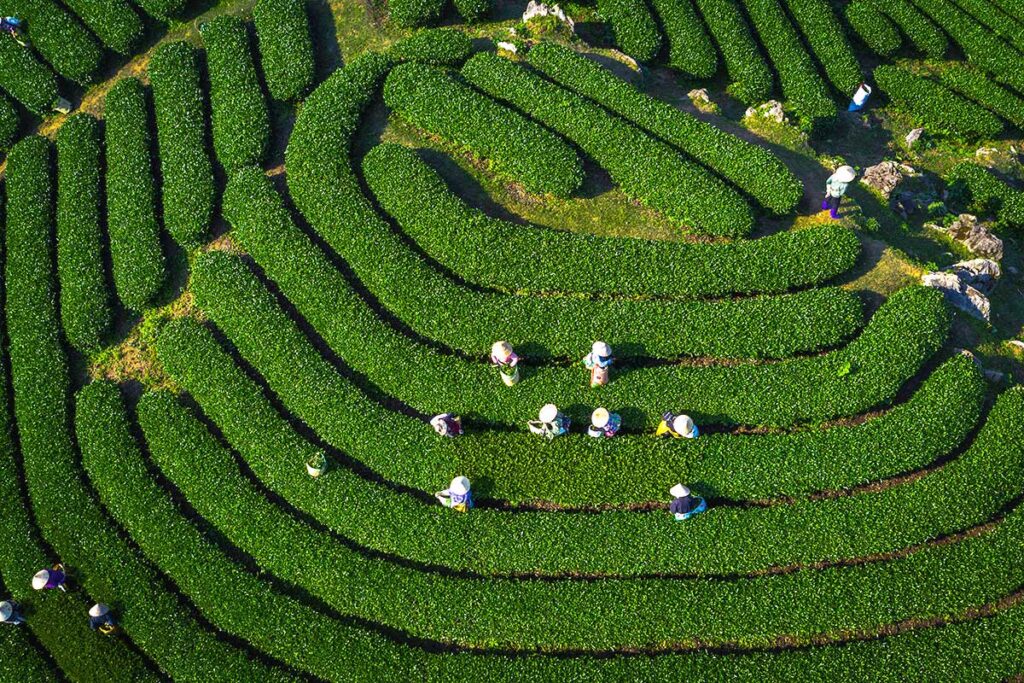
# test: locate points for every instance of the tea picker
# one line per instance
(835, 188)
(860, 98)
(101, 620)
(604, 424)
(506, 360)
(12, 26)
(599, 362)
(447, 424)
(551, 422)
(677, 426)
(457, 496)
(49, 579)
(684, 504)
(10, 613)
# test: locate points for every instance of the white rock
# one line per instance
(539, 9)
(913, 136)
(772, 109)
(885, 176)
(958, 293)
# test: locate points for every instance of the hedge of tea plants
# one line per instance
(180, 107)
(239, 116)
(873, 27)
(139, 266)
(690, 50)
(634, 28)
(286, 48)
(84, 299)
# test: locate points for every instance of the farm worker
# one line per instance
(835, 188)
(603, 423)
(12, 27)
(599, 362)
(101, 620)
(684, 505)
(860, 98)
(48, 579)
(447, 424)
(506, 360)
(677, 426)
(552, 422)
(10, 613)
(457, 496)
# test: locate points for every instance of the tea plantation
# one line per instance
(256, 255)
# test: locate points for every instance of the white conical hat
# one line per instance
(600, 348)
(683, 425)
(845, 174)
(459, 486)
(549, 412)
(679, 491)
(99, 610)
(501, 349)
(600, 418)
(40, 579)
(6, 610)
(439, 424)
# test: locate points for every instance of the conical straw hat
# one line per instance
(845, 174)
(501, 349)
(679, 491)
(40, 579)
(683, 425)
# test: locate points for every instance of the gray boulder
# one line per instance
(979, 273)
(966, 285)
(772, 109)
(885, 176)
(964, 297)
(974, 235)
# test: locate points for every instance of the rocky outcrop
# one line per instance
(701, 100)
(885, 176)
(913, 136)
(772, 109)
(974, 235)
(539, 9)
(967, 285)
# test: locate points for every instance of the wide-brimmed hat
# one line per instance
(679, 491)
(683, 425)
(501, 349)
(549, 412)
(459, 486)
(600, 417)
(99, 610)
(40, 578)
(601, 348)
(845, 174)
